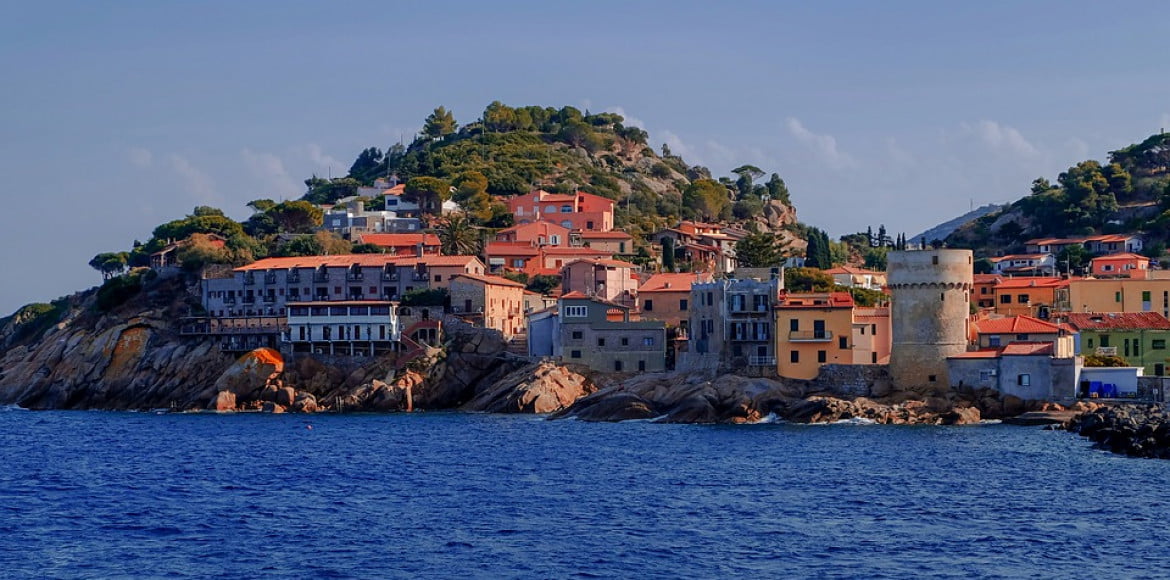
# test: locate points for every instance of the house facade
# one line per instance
(733, 325)
(611, 280)
(1119, 295)
(1040, 264)
(418, 244)
(489, 301)
(1124, 265)
(667, 297)
(575, 211)
(1138, 337)
(601, 335)
(813, 329)
(1028, 370)
(367, 328)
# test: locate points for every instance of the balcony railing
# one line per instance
(269, 298)
(320, 276)
(761, 361)
(249, 280)
(810, 336)
(421, 276)
(355, 276)
(270, 278)
(293, 277)
(390, 276)
(1107, 351)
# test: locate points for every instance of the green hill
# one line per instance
(1127, 194)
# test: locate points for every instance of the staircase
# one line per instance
(518, 345)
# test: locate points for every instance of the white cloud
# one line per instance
(140, 157)
(197, 183)
(897, 153)
(318, 156)
(678, 147)
(629, 121)
(824, 146)
(1002, 138)
(270, 171)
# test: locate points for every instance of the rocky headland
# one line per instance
(1132, 429)
(134, 358)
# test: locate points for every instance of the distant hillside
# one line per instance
(941, 231)
(1129, 194)
(513, 150)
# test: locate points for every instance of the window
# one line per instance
(567, 224)
(617, 365)
(648, 341)
(438, 278)
(873, 329)
(641, 365)
(1090, 343)
(600, 342)
(1145, 296)
(794, 356)
(842, 342)
(1158, 344)
(575, 354)
(984, 290)
(993, 341)
(985, 375)
(682, 304)
(566, 209)
(1022, 299)
(1105, 340)
(1005, 299)
(578, 335)
(625, 341)
(1107, 267)
(822, 356)
(648, 306)
(1117, 296)
(934, 260)
(794, 325)
(1024, 380)
(932, 378)
(576, 311)
(873, 358)
(1021, 337)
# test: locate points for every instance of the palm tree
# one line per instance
(459, 236)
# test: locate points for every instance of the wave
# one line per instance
(856, 421)
(13, 407)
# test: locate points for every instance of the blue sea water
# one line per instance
(106, 495)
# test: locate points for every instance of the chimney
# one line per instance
(420, 248)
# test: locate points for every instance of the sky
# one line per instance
(118, 116)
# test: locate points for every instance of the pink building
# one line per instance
(607, 279)
(575, 211)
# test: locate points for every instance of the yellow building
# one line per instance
(1119, 295)
(811, 330)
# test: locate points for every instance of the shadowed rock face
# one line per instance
(1135, 430)
(537, 388)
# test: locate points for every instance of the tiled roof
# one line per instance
(510, 249)
(400, 240)
(1031, 282)
(1015, 325)
(985, 353)
(816, 300)
(574, 295)
(987, 278)
(1020, 257)
(614, 235)
(574, 251)
(1118, 321)
(1121, 257)
(347, 260)
(1026, 348)
(494, 280)
(851, 270)
(603, 262)
(669, 283)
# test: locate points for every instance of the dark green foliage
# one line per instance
(116, 291)
(875, 258)
(864, 296)
(110, 264)
(807, 280)
(322, 191)
(31, 321)
(1072, 258)
(983, 266)
(426, 297)
(365, 165)
(206, 224)
(818, 254)
(760, 250)
(368, 249)
(668, 257)
(305, 245)
(543, 284)
(439, 124)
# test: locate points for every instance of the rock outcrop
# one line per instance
(537, 388)
(1135, 430)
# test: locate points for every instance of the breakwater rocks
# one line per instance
(1135, 430)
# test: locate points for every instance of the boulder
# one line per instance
(609, 406)
(540, 388)
(270, 407)
(224, 401)
(286, 396)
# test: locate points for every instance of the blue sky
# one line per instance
(116, 117)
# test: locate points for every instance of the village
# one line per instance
(1028, 329)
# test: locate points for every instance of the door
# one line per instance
(818, 328)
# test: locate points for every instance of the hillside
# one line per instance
(941, 231)
(1127, 194)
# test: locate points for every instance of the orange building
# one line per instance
(1124, 265)
(1028, 296)
(667, 297)
(871, 338)
(405, 244)
(813, 329)
(490, 301)
(538, 233)
(575, 211)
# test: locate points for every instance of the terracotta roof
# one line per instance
(604, 262)
(1015, 325)
(1118, 321)
(614, 235)
(396, 190)
(574, 295)
(1031, 282)
(669, 283)
(985, 353)
(851, 270)
(1026, 348)
(1020, 257)
(987, 278)
(510, 249)
(574, 251)
(488, 279)
(861, 314)
(1123, 256)
(401, 240)
(347, 260)
(810, 300)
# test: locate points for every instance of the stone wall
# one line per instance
(930, 293)
(853, 380)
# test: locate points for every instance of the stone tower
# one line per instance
(930, 292)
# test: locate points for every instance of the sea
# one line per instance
(449, 495)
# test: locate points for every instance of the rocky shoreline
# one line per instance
(1130, 429)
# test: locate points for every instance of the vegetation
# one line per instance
(1105, 360)
(33, 320)
(116, 291)
(427, 297)
(807, 280)
(760, 250)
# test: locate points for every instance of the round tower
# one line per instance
(930, 294)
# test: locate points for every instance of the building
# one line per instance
(1124, 265)
(667, 297)
(871, 338)
(1138, 337)
(575, 211)
(395, 202)
(813, 329)
(983, 289)
(419, 244)
(1041, 264)
(997, 332)
(360, 329)
(551, 259)
(489, 301)
(851, 277)
(930, 301)
(601, 335)
(168, 257)
(733, 325)
(607, 279)
(265, 287)
(1118, 295)
(1028, 296)
(349, 218)
(1097, 245)
(701, 243)
(538, 233)
(614, 242)
(510, 256)
(1028, 370)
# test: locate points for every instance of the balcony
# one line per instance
(270, 278)
(321, 276)
(355, 276)
(810, 336)
(248, 300)
(391, 276)
(420, 276)
(249, 279)
(293, 277)
(761, 361)
(1107, 351)
(270, 298)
